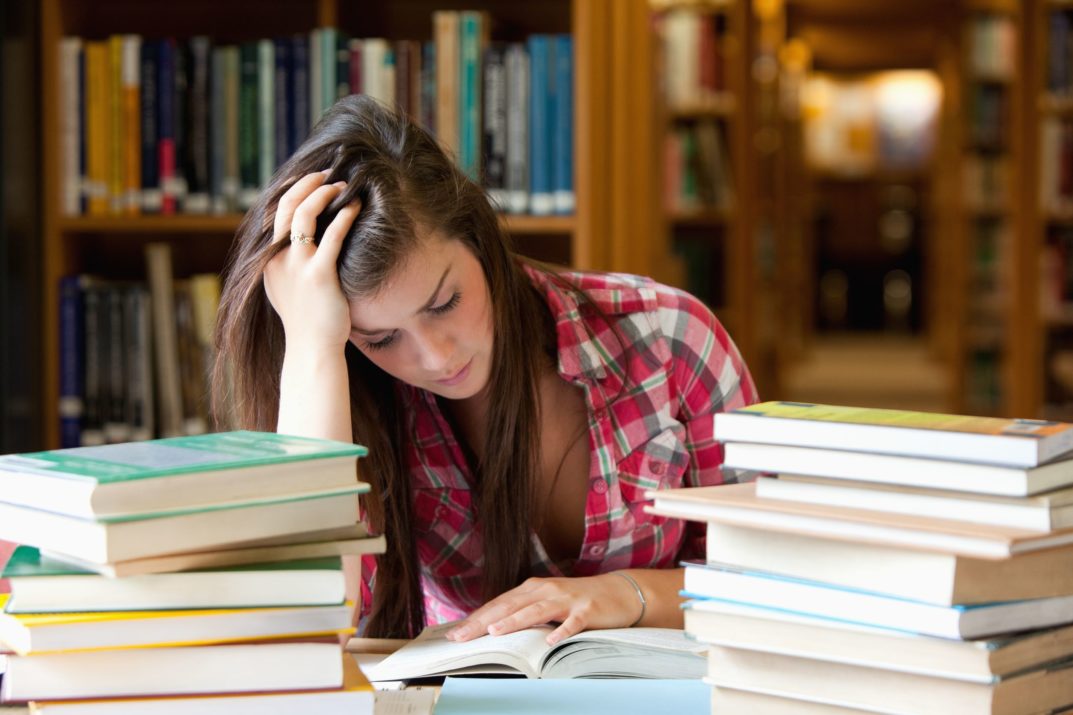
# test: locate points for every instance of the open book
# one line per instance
(611, 653)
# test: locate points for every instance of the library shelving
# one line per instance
(113, 246)
(1044, 339)
(702, 107)
(981, 269)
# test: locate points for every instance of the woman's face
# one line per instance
(431, 323)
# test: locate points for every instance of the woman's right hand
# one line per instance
(302, 282)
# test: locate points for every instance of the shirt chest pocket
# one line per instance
(658, 463)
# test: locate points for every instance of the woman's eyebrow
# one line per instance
(428, 304)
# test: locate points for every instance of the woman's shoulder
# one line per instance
(613, 293)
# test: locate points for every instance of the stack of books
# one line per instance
(884, 561)
(196, 572)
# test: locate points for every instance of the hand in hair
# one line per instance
(301, 281)
(577, 604)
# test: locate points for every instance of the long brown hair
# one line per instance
(407, 186)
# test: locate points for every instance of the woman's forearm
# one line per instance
(314, 399)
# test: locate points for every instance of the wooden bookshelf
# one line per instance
(594, 237)
(709, 237)
(981, 318)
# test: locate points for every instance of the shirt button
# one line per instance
(599, 486)
(596, 550)
(656, 466)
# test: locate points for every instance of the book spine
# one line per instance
(517, 128)
(218, 131)
(70, 103)
(354, 66)
(328, 41)
(132, 124)
(151, 197)
(139, 365)
(563, 149)
(197, 149)
(93, 417)
(402, 77)
(232, 81)
(166, 143)
(445, 28)
(299, 91)
(98, 134)
(72, 361)
(116, 121)
(428, 86)
(541, 198)
(116, 428)
(282, 93)
(469, 124)
(342, 66)
(182, 123)
(165, 341)
(266, 105)
(316, 62)
(248, 131)
(494, 127)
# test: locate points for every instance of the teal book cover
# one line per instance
(176, 455)
(622, 696)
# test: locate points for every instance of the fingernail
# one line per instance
(495, 628)
(552, 639)
(326, 171)
(340, 184)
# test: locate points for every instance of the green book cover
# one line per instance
(113, 463)
(27, 562)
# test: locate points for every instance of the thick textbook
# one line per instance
(988, 440)
(281, 665)
(821, 600)
(43, 585)
(878, 690)
(517, 696)
(886, 469)
(43, 632)
(929, 576)
(738, 504)
(772, 631)
(616, 652)
(348, 540)
(356, 697)
(1052, 511)
(175, 474)
(121, 540)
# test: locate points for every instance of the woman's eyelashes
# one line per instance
(447, 307)
(441, 309)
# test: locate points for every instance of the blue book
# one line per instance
(469, 93)
(72, 361)
(283, 77)
(541, 108)
(563, 147)
(150, 70)
(428, 86)
(473, 696)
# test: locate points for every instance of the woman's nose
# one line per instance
(436, 349)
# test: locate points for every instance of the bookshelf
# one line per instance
(983, 314)
(703, 106)
(113, 246)
(1044, 343)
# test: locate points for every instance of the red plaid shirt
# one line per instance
(652, 390)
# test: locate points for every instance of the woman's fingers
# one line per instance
(332, 240)
(304, 221)
(290, 201)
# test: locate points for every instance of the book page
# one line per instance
(432, 654)
(626, 653)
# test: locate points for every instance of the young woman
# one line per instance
(514, 416)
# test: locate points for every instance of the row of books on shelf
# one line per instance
(134, 357)
(697, 173)
(988, 114)
(198, 573)
(694, 57)
(884, 561)
(166, 126)
(1056, 275)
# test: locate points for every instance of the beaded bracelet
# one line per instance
(640, 595)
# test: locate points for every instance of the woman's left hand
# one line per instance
(577, 604)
